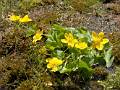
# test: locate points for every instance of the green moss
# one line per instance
(82, 5)
(20, 60)
(39, 81)
(14, 41)
(17, 72)
(28, 4)
(100, 73)
(115, 42)
(12, 70)
(113, 80)
(114, 7)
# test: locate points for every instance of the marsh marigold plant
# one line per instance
(79, 48)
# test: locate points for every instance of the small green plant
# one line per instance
(73, 49)
(27, 4)
(82, 5)
(113, 80)
(22, 58)
(115, 8)
(24, 23)
(7, 6)
(115, 41)
(100, 73)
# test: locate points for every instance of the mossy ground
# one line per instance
(17, 66)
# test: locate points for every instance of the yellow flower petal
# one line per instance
(71, 44)
(54, 69)
(48, 59)
(14, 18)
(58, 61)
(70, 35)
(25, 19)
(37, 36)
(49, 66)
(101, 35)
(104, 41)
(93, 45)
(81, 45)
(94, 35)
(77, 45)
(75, 41)
(66, 35)
(100, 46)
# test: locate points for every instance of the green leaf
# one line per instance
(108, 58)
(70, 65)
(50, 47)
(83, 64)
(58, 27)
(30, 32)
(59, 53)
(83, 34)
(85, 70)
(65, 70)
(83, 30)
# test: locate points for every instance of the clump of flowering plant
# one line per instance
(25, 23)
(79, 48)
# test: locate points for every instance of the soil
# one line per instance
(100, 18)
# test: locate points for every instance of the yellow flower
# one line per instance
(69, 39)
(53, 63)
(81, 45)
(25, 19)
(14, 18)
(99, 40)
(37, 36)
